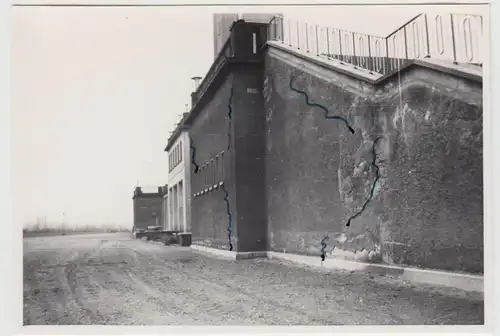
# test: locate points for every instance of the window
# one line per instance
(217, 174)
(205, 180)
(254, 43)
(212, 172)
(201, 181)
(180, 151)
(222, 166)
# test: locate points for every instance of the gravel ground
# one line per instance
(114, 279)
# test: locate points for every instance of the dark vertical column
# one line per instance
(249, 136)
(247, 39)
(249, 151)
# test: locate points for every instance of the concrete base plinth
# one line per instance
(466, 282)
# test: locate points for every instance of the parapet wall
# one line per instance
(426, 206)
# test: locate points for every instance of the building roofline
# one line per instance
(181, 126)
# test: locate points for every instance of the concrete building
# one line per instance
(179, 199)
(228, 210)
(223, 22)
(279, 175)
(148, 210)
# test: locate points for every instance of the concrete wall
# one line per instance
(236, 159)
(147, 210)
(249, 128)
(209, 137)
(226, 129)
(426, 209)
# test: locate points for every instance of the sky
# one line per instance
(96, 91)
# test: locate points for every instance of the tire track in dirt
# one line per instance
(205, 293)
(44, 301)
(206, 305)
(132, 282)
(75, 295)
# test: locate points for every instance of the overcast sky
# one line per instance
(95, 92)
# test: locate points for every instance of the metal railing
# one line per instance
(454, 37)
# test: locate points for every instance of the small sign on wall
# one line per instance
(252, 90)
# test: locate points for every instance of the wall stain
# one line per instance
(377, 177)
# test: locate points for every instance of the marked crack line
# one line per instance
(327, 116)
(230, 114)
(229, 217)
(377, 177)
(323, 247)
(193, 153)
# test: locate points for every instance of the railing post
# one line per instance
(386, 63)
(453, 39)
(307, 39)
(370, 53)
(298, 35)
(317, 42)
(279, 25)
(427, 37)
(354, 50)
(327, 43)
(273, 29)
(406, 43)
(289, 33)
(340, 46)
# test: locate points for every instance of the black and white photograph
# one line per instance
(250, 165)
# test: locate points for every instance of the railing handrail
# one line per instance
(454, 36)
(344, 30)
(404, 25)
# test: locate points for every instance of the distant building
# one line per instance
(224, 21)
(148, 208)
(179, 200)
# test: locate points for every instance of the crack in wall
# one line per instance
(230, 114)
(229, 217)
(226, 197)
(377, 177)
(323, 247)
(193, 153)
(327, 116)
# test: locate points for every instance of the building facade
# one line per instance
(178, 200)
(147, 208)
(227, 174)
(275, 174)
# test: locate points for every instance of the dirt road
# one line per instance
(115, 279)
